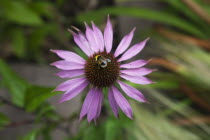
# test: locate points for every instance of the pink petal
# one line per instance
(99, 37)
(133, 50)
(137, 72)
(70, 73)
(66, 65)
(70, 84)
(137, 80)
(69, 56)
(91, 38)
(113, 103)
(87, 103)
(108, 35)
(92, 113)
(73, 92)
(134, 64)
(132, 92)
(124, 44)
(122, 102)
(82, 42)
(99, 105)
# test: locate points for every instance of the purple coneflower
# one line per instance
(102, 69)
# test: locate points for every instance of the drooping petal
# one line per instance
(108, 35)
(101, 97)
(124, 44)
(69, 56)
(92, 112)
(137, 72)
(133, 50)
(137, 80)
(70, 73)
(99, 37)
(66, 65)
(82, 42)
(122, 102)
(113, 103)
(134, 64)
(132, 92)
(73, 92)
(91, 38)
(87, 102)
(70, 84)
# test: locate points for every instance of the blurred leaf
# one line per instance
(192, 60)
(184, 9)
(18, 42)
(46, 131)
(37, 37)
(161, 127)
(4, 120)
(181, 7)
(184, 111)
(36, 96)
(80, 52)
(43, 8)
(114, 127)
(31, 135)
(48, 111)
(93, 133)
(178, 107)
(161, 84)
(150, 14)
(20, 13)
(16, 85)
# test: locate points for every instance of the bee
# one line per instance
(103, 62)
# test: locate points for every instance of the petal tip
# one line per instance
(54, 51)
(62, 100)
(75, 28)
(72, 32)
(150, 60)
(154, 70)
(133, 30)
(93, 24)
(86, 25)
(148, 38)
(52, 64)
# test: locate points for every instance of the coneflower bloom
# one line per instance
(102, 69)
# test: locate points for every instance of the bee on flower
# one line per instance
(102, 69)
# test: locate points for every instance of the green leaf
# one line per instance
(160, 126)
(4, 120)
(180, 7)
(158, 16)
(16, 85)
(47, 111)
(113, 129)
(43, 8)
(18, 42)
(20, 13)
(37, 37)
(31, 135)
(36, 96)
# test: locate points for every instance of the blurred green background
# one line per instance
(179, 106)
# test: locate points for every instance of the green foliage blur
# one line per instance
(179, 106)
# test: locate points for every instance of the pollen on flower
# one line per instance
(102, 69)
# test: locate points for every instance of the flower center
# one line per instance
(102, 69)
